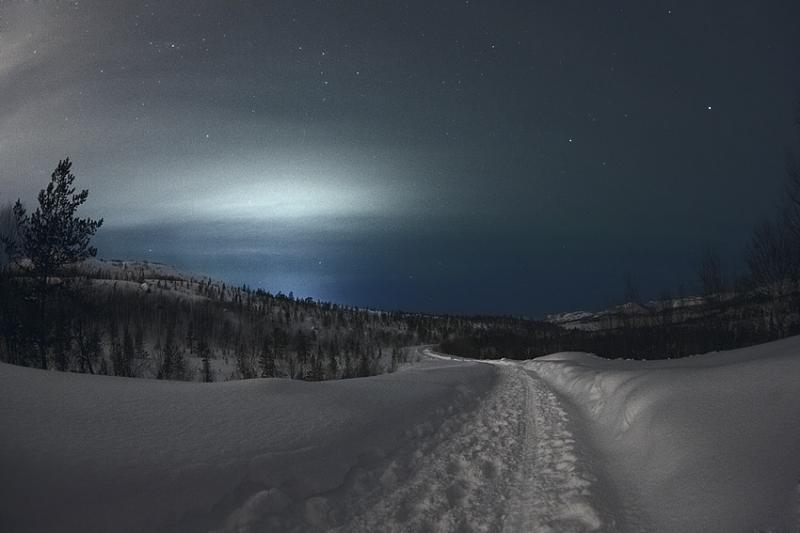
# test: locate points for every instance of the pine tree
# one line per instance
(166, 367)
(179, 368)
(397, 356)
(139, 343)
(52, 236)
(301, 346)
(333, 362)
(244, 364)
(363, 364)
(205, 353)
(315, 371)
(127, 354)
(266, 360)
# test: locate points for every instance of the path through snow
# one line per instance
(441, 446)
(510, 465)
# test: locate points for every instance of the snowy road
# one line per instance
(567, 442)
(510, 465)
(441, 446)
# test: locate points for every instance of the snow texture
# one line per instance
(444, 445)
(708, 444)
(569, 442)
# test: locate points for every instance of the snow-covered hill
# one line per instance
(706, 443)
(569, 442)
(96, 453)
(632, 314)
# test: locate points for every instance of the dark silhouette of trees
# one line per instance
(791, 211)
(52, 236)
(8, 234)
(772, 257)
(128, 354)
(89, 346)
(266, 360)
(709, 274)
(46, 241)
(204, 352)
(172, 363)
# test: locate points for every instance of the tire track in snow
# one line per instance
(458, 479)
(555, 492)
(508, 466)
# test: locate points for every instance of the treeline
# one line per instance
(759, 305)
(657, 332)
(60, 310)
(190, 329)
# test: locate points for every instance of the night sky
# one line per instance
(467, 156)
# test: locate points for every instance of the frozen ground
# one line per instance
(708, 444)
(564, 443)
(440, 446)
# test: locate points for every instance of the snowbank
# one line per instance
(708, 443)
(96, 453)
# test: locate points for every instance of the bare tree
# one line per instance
(772, 257)
(791, 212)
(710, 276)
(8, 234)
(631, 290)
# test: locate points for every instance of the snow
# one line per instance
(708, 443)
(116, 454)
(568, 442)
(443, 445)
(120, 268)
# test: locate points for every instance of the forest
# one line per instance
(62, 308)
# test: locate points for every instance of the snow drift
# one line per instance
(96, 453)
(568, 442)
(707, 443)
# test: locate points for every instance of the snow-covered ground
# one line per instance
(96, 453)
(709, 443)
(439, 446)
(568, 442)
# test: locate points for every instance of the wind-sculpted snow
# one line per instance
(116, 454)
(707, 444)
(569, 442)
(448, 446)
(508, 466)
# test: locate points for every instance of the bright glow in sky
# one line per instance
(300, 192)
(288, 197)
(482, 156)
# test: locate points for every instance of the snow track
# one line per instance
(441, 446)
(567, 442)
(554, 492)
(509, 465)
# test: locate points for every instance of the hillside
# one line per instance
(701, 444)
(568, 442)
(661, 329)
(146, 319)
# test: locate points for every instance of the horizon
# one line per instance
(449, 158)
(302, 297)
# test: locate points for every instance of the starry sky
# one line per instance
(466, 156)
